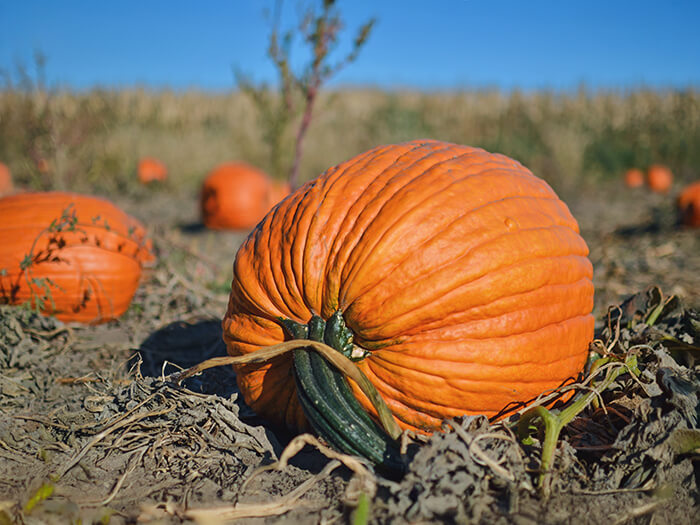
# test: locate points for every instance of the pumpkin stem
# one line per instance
(328, 402)
(555, 421)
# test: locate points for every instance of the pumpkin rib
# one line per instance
(81, 262)
(358, 216)
(483, 325)
(395, 400)
(428, 410)
(358, 261)
(285, 268)
(404, 407)
(276, 294)
(445, 294)
(425, 384)
(506, 305)
(342, 177)
(480, 349)
(435, 240)
(367, 266)
(80, 237)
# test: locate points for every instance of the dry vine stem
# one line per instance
(342, 363)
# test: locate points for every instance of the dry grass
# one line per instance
(93, 140)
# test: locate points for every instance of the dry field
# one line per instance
(92, 429)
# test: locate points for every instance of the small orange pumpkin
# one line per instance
(5, 180)
(73, 256)
(634, 178)
(689, 205)
(659, 178)
(234, 196)
(278, 192)
(461, 276)
(150, 170)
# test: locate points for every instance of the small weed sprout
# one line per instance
(297, 91)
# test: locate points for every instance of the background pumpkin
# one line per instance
(150, 169)
(634, 178)
(278, 192)
(235, 195)
(659, 178)
(460, 272)
(95, 269)
(689, 205)
(5, 180)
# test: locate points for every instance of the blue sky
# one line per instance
(429, 44)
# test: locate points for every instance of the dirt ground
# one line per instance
(89, 431)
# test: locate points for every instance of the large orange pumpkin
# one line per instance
(5, 180)
(634, 178)
(150, 170)
(459, 272)
(659, 178)
(234, 196)
(80, 256)
(689, 205)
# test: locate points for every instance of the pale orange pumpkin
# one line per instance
(461, 277)
(235, 196)
(151, 169)
(634, 178)
(74, 256)
(659, 178)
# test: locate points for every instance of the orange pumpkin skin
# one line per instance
(95, 269)
(150, 170)
(689, 205)
(5, 180)
(235, 196)
(659, 178)
(460, 271)
(634, 178)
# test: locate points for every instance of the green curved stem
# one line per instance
(338, 360)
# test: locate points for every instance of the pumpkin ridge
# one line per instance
(384, 358)
(423, 384)
(293, 258)
(393, 397)
(359, 260)
(283, 296)
(350, 228)
(340, 180)
(344, 232)
(395, 226)
(459, 282)
(514, 308)
(445, 230)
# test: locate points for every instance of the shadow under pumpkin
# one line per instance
(181, 345)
